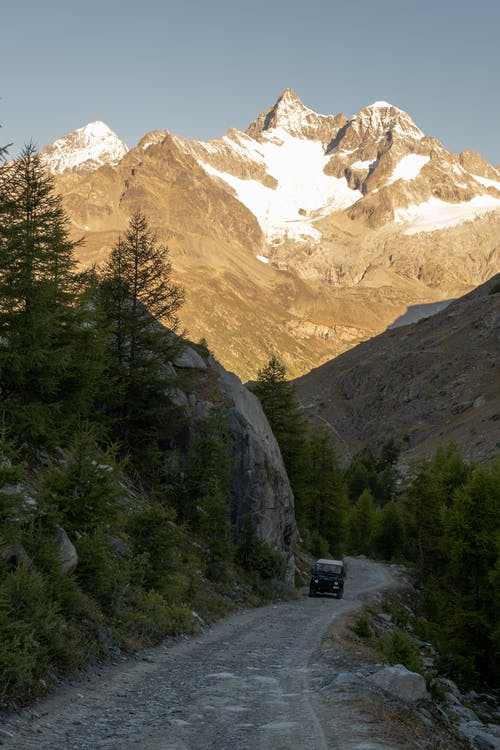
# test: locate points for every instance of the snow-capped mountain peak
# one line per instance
(293, 167)
(290, 115)
(381, 117)
(289, 110)
(85, 149)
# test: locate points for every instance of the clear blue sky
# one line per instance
(197, 67)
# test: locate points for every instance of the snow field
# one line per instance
(297, 165)
(436, 214)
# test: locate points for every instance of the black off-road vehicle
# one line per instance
(327, 577)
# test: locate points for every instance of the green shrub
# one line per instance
(156, 540)
(399, 615)
(145, 617)
(272, 589)
(30, 630)
(399, 648)
(82, 490)
(100, 573)
(362, 627)
(255, 555)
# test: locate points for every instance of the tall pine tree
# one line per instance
(38, 300)
(325, 508)
(280, 404)
(137, 294)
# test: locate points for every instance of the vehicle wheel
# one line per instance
(312, 592)
(340, 594)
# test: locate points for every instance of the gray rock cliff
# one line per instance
(260, 483)
(260, 488)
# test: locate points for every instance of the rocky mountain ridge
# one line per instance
(425, 384)
(334, 225)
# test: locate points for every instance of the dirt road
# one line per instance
(242, 684)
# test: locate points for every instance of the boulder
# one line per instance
(479, 735)
(486, 741)
(15, 555)
(400, 682)
(178, 397)
(68, 556)
(120, 548)
(189, 359)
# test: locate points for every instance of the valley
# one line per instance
(250, 363)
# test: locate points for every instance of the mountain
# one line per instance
(85, 150)
(302, 236)
(425, 384)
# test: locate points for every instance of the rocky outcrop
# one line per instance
(477, 165)
(260, 490)
(15, 555)
(68, 556)
(189, 359)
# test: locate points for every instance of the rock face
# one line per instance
(305, 235)
(260, 488)
(427, 383)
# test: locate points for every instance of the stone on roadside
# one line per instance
(400, 682)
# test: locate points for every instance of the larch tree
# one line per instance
(38, 297)
(279, 401)
(472, 549)
(137, 296)
(325, 492)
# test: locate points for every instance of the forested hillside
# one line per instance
(442, 518)
(116, 467)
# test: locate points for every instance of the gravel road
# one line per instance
(242, 684)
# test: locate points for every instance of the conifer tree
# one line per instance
(324, 493)
(363, 523)
(204, 499)
(427, 496)
(139, 276)
(137, 294)
(38, 297)
(472, 548)
(390, 540)
(280, 404)
(3, 151)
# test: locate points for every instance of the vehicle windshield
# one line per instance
(329, 569)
